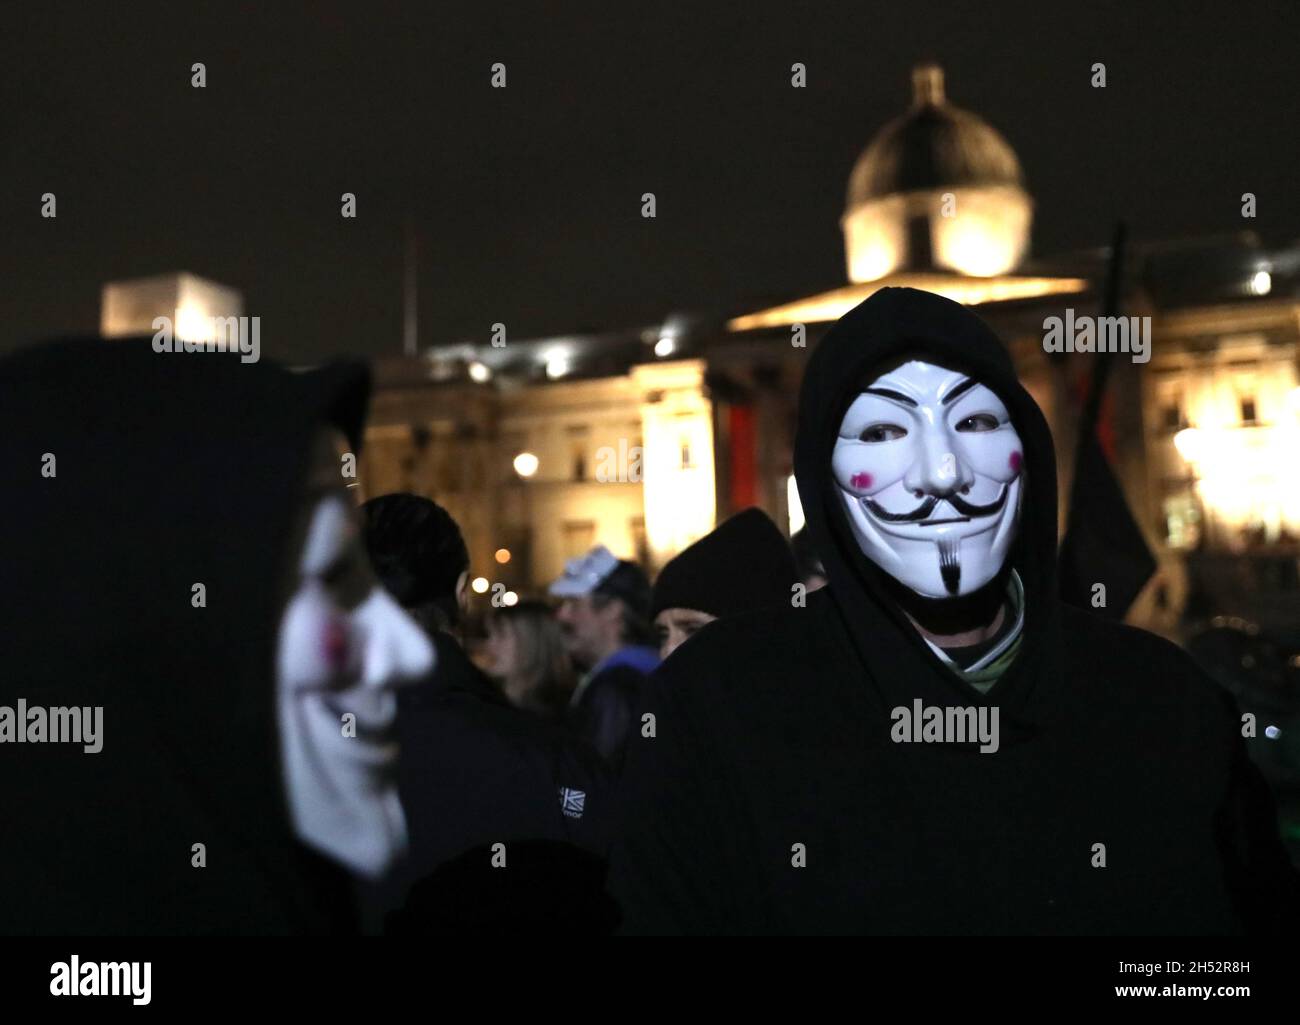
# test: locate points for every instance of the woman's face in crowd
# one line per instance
(344, 646)
(502, 649)
(674, 626)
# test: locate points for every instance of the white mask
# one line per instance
(332, 661)
(928, 466)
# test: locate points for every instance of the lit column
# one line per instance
(677, 458)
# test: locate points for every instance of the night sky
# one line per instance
(528, 199)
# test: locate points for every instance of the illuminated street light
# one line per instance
(526, 464)
(479, 585)
(503, 555)
(479, 372)
(193, 325)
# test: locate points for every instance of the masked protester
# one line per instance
(185, 562)
(935, 744)
(742, 565)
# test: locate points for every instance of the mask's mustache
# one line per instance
(970, 509)
(923, 510)
(919, 513)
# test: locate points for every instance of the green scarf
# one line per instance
(990, 668)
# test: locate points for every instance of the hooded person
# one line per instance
(935, 744)
(811, 571)
(741, 565)
(184, 594)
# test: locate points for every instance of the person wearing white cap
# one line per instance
(604, 614)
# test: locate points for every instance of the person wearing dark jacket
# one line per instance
(509, 815)
(419, 553)
(475, 771)
(742, 564)
(936, 744)
(183, 571)
(604, 615)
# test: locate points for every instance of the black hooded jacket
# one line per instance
(771, 798)
(162, 470)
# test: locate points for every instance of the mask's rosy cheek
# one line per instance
(868, 469)
(335, 646)
(1015, 461)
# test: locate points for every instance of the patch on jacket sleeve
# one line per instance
(572, 802)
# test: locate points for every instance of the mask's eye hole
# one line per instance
(336, 572)
(877, 433)
(348, 578)
(979, 422)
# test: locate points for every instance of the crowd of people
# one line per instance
(526, 740)
(301, 735)
(580, 659)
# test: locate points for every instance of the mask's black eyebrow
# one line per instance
(959, 391)
(889, 393)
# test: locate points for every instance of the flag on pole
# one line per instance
(1103, 543)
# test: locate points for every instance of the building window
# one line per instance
(579, 441)
(1247, 404)
(639, 542)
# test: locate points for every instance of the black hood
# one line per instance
(743, 564)
(171, 469)
(893, 325)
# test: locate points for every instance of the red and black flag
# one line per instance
(1103, 543)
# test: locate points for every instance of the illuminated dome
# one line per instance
(937, 189)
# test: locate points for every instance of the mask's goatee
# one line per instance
(950, 563)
